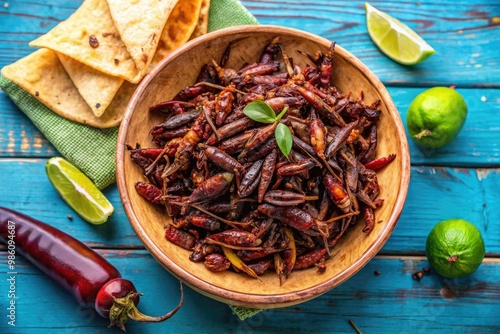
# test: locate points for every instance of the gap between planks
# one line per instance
(490, 259)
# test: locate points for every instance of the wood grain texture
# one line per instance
(18, 136)
(465, 34)
(434, 194)
(437, 194)
(389, 303)
(466, 39)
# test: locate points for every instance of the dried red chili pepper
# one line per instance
(235, 238)
(286, 198)
(337, 192)
(268, 167)
(292, 216)
(179, 237)
(309, 259)
(175, 122)
(380, 162)
(295, 168)
(217, 262)
(150, 192)
(222, 159)
(211, 188)
(92, 280)
(369, 219)
(224, 104)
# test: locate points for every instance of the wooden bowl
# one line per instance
(355, 249)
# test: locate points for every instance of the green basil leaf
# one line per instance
(260, 111)
(282, 113)
(284, 139)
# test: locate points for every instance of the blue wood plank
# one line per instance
(23, 21)
(435, 194)
(26, 188)
(389, 303)
(466, 38)
(18, 136)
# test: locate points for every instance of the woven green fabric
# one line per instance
(227, 13)
(93, 150)
(243, 312)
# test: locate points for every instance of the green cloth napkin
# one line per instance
(93, 150)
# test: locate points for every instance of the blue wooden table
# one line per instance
(459, 180)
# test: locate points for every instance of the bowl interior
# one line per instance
(355, 248)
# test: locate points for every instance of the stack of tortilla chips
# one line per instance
(89, 65)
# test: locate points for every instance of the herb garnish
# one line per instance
(261, 112)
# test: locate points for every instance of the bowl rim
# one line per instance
(249, 299)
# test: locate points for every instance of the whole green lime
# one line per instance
(436, 116)
(455, 248)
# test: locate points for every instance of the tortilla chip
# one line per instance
(140, 24)
(42, 75)
(122, 97)
(179, 27)
(202, 25)
(73, 38)
(96, 88)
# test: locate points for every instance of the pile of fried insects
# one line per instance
(243, 195)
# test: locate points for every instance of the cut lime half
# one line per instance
(78, 191)
(395, 39)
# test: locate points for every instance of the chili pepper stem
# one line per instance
(330, 170)
(124, 309)
(212, 85)
(246, 248)
(211, 124)
(354, 326)
(149, 169)
(331, 220)
(225, 221)
(324, 234)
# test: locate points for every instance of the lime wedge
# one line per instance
(78, 191)
(395, 39)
